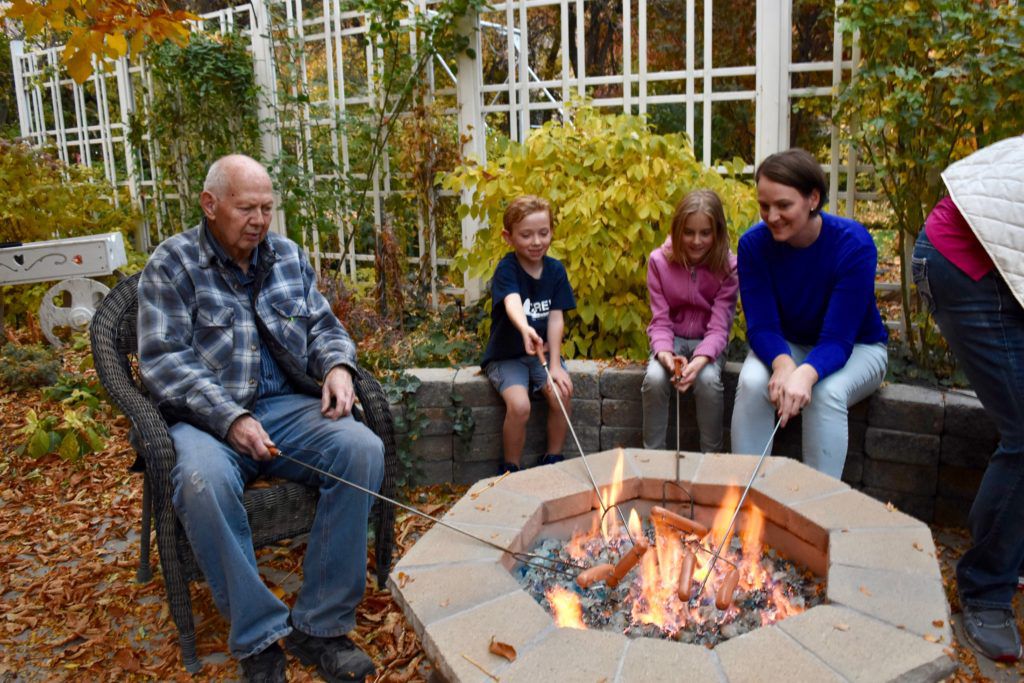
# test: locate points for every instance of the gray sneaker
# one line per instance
(993, 633)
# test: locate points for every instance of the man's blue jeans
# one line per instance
(984, 326)
(208, 481)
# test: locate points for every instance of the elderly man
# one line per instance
(243, 354)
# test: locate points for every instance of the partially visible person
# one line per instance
(818, 344)
(242, 354)
(969, 269)
(692, 284)
(530, 293)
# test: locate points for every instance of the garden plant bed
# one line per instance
(887, 616)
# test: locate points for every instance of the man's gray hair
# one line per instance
(219, 177)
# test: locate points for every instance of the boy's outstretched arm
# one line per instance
(556, 327)
(514, 309)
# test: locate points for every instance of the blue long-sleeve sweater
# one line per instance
(822, 295)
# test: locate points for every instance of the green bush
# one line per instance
(27, 367)
(613, 185)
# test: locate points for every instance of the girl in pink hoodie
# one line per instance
(693, 287)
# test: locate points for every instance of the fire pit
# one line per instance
(887, 617)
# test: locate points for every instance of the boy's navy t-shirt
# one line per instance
(551, 291)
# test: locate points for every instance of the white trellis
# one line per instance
(89, 123)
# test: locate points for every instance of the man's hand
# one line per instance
(337, 389)
(690, 372)
(247, 436)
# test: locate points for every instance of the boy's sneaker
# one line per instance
(335, 659)
(266, 666)
(507, 466)
(993, 633)
(550, 459)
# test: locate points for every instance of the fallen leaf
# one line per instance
(403, 579)
(890, 507)
(931, 639)
(502, 649)
(445, 602)
(938, 623)
(918, 547)
(841, 627)
(865, 591)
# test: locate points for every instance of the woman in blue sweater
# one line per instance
(807, 283)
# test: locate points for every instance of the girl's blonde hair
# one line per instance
(522, 207)
(707, 203)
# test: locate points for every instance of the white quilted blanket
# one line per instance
(988, 188)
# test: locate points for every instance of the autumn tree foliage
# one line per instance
(100, 28)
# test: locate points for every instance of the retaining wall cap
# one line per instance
(909, 408)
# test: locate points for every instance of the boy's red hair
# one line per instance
(522, 207)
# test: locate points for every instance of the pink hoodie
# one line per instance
(690, 303)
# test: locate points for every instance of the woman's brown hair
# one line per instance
(795, 168)
(707, 203)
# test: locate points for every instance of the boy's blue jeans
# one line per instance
(208, 481)
(984, 326)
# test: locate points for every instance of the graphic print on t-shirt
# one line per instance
(538, 310)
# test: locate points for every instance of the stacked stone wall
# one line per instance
(922, 449)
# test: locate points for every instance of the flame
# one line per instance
(610, 496)
(781, 607)
(723, 516)
(566, 607)
(752, 574)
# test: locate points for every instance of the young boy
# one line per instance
(529, 292)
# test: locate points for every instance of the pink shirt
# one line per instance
(690, 303)
(952, 236)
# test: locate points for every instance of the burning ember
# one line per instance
(649, 588)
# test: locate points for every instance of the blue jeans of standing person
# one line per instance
(208, 481)
(984, 325)
(708, 393)
(825, 419)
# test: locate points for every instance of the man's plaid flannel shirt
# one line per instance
(199, 347)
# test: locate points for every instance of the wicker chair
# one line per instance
(283, 510)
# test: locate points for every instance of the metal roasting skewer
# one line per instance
(736, 512)
(521, 556)
(583, 457)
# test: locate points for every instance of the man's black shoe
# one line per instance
(335, 659)
(993, 633)
(266, 666)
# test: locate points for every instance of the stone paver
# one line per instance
(902, 550)
(602, 466)
(648, 659)
(561, 494)
(497, 506)
(657, 467)
(622, 382)
(896, 405)
(864, 649)
(790, 482)
(429, 594)
(441, 546)
(514, 619)
(585, 375)
(893, 445)
(768, 654)
(904, 600)
(567, 655)
(435, 390)
(815, 518)
(474, 388)
(719, 472)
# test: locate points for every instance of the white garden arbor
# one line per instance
(505, 89)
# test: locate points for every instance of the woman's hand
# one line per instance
(782, 367)
(795, 392)
(668, 361)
